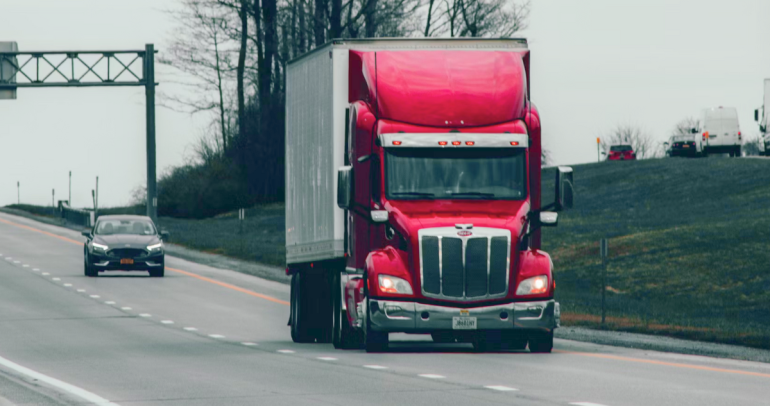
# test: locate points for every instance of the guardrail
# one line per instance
(84, 218)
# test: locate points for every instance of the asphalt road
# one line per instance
(206, 336)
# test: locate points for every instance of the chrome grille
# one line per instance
(464, 267)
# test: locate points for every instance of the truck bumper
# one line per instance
(412, 317)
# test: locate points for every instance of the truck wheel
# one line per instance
(374, 341)
(541, 342)
(299, 319)
(343, 337)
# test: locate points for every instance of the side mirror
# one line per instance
(756, 115)
(564, 188)
(549, 219)
(345, 187)
(86, 233)
(164, 235)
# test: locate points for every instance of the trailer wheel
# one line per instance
(541, 342)
(343, 337)
(299, 312)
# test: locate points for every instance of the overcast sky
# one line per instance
(595, 64)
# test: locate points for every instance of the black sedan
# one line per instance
(124, 243)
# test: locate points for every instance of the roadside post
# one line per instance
(53, 206)
(18, 192)
(604, 248)
(69, 198)
(598, 150)
(241, 217)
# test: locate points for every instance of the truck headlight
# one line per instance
(391, 284)
(155, 247)
(100, 247)
(533, 286)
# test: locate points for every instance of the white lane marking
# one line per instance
(501, 388)
(71, 389)
(25, 266)
(145, 315)
(219, 336)
(585, 404)
(375, 367)
(45, 274)
(36, 269)
(81, 290)
(125, 308)
(327, 358)
(432, 376)
(95, 296)
(167, 322)
(190, 329)
(109, 302)
(249, 344)
(69, 285)
(55, 279)
(16, 262)
(286, 351)
(8, 258)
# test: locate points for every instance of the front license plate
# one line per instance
(126, 261)
(463, 323)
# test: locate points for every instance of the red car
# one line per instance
(621, 153)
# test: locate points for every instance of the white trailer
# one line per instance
(762, 116)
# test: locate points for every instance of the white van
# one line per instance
(720, 131)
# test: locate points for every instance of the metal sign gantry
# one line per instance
(69, 69)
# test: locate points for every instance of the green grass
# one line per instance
(688, 241)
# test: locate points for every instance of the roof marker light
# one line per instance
(442, 143)
(514, 143)
(469, 143)
(396, 142)
(456, 142)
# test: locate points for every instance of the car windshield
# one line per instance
(134, 227)
(455, 173)
(620, 148)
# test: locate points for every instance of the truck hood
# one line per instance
(411, 216)
(447, 88)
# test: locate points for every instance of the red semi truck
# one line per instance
(413, 195)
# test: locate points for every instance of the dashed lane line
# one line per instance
(501, 388)
(375, 367)
(431, 376)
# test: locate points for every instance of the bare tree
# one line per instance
(686, 126)
(640, 140)
(476, 18)
(202, 52)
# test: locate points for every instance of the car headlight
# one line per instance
(391, 284)
(100, 247)
(155, 246)
(533, 286)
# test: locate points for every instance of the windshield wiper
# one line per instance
(420, 194)
(479, 194)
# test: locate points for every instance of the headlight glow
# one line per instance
(155, 246)
(533, 286)
(391, 284)
(98, 246)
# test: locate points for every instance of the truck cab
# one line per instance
(439, 189)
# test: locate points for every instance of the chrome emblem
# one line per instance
(464, 233)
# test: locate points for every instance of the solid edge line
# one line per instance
(203, 278)
(71, 389)
(665, 363)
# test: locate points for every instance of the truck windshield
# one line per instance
(455, 173)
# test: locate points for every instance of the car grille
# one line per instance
(464, 268)
(127, 252)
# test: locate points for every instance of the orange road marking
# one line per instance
(41, 231)
(670, 364)
(229, 286)
(196, 276)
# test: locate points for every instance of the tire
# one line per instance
(343, 336)
(298, 309)
(374, 341)
(89, 270)
(541, 342)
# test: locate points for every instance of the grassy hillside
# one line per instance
(689, 247)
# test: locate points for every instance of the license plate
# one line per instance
(686, 146)
(126, 261)
(463, 323)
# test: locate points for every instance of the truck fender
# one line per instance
(533, 263)
(354, 296)
(386, 261)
